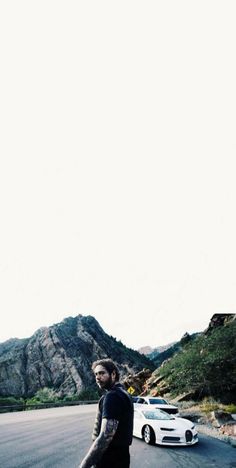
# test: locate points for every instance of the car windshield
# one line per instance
(157, 401)
(156, 414)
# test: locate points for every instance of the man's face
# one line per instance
(104, 380)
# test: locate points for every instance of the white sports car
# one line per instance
(158, 403)
(156, 426)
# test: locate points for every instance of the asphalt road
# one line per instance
(59, 437)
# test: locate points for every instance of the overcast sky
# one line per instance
(117, 176)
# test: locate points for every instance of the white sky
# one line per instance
(117, 175)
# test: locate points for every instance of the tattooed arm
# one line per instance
(100, 445)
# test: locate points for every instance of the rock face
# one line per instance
(220, 418)
(137, 381)
(60, 357)
(229, 429)
(219, 320)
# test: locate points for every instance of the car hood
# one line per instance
(176, 423)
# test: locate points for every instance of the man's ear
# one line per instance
(113, 374)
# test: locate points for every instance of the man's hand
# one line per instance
(100, 445)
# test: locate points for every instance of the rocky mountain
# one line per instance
(158, 357)
(153, 352)
(145, 350)
(159, 350)
(160, 353)
(60, 357)
(199, 365)
(203, 365)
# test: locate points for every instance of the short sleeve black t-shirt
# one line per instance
(118, 405)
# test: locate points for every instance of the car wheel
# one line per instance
(148, 435)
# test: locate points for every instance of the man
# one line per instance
(112, 434)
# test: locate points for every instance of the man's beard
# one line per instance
(106, 385)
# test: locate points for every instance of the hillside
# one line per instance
(60, 356)
(204, 365)
(161, 354)
(158, 357)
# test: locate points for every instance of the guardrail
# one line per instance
(29, 406)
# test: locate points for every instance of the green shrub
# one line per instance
(230, 408)
(208, 407)
(205, 366)
(44, 395)
(11, 401)
(88, 394)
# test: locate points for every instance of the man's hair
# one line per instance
(109, 365)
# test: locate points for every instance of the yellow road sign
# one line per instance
(131, 390)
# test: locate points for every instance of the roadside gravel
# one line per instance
(211, 431)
